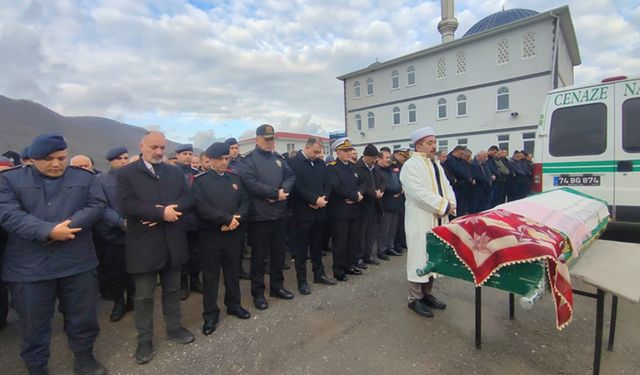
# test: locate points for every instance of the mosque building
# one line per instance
(486, 88)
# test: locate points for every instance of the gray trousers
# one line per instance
(387, 231)
(419, 290)
(145, 284)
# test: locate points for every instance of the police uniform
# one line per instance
(264, 173)
(343, 212)
(218, 197)
(41, 270)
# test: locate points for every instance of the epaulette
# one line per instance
(246, 154)
(82, 169)
(16, 167)
(331, 163)
(279, 155)
(199, 175)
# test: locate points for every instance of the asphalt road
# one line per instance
(361, 327)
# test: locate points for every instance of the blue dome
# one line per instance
(500, 18)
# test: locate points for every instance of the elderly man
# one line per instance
(152, 197)
(82, 161)
(110, 234)
(48, 210)
(429, 201)
(269, 180)
(221, 204)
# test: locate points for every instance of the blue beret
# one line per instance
(217, 150)
(45, 144)
(115, 152)
(184, 147)
(25, 153)
(231, 141)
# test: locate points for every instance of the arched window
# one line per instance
(395, 80)
(369, 86)
(396, 116)
(503, 52)
(528, 45)
(462, 104)
(356, 89)
(411, 76)
(412, 114)
(502, 99)
(442, 108)
(371, 120)
(358, 122)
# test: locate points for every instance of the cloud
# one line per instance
(204, 139)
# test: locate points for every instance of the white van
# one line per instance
(588, 138)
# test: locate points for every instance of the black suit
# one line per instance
(161, 248)
(370, 209)
(217, 198)
(312, 182)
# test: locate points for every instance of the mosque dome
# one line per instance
(500, 18)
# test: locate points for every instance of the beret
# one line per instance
(115, 152)
(231, 141)
(45, 144)
(171, 155)
(370, 150)
(184, 147)
(421, 133)
(217, 150)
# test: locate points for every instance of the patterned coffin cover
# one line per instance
(548, 229)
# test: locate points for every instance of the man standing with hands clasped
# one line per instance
(429, 201)
(152, 196)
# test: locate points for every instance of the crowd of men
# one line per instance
(72, 233)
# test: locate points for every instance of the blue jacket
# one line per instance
(460, 169)
(110, 228)
(31, 205)
(392, 199)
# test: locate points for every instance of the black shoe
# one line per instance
(420, 308)
(303, 288)
(239, 312)
(244, 275)
(281, 293)
(209, 326)
(431, 301)
(196, 284)
(260, 303)
(118, 310)
(184, 288)
(392, 253)
(38, 370)
(144, 352)
(84, 363)
(341, 277)
(323, 279)
(383, 256)
(354, 271)
(181, 336)
(372, 261)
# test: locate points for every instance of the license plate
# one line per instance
(574, 180)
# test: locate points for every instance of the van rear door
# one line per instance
(579, 148)
(627, 152)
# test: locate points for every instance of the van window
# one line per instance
(580, 130)
(631, 125)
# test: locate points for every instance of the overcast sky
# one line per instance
(205, 69)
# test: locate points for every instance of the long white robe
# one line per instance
(423, 206)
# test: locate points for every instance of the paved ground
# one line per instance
(362, 327)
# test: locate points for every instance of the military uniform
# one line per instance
(40, 270)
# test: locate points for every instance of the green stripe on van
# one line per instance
(581, 163)
(545, 169)
(586, 166)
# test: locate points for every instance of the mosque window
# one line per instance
(442, 68)
(411, 76)
(503, 99)
(461, 62)
(442, 108)
(356, 89)
(395, 80)
(358, 122)
(528, 45)
(462, 105)
(371, 120)
(369, 86)
(503, 52)
(443, 145)
(396, 116)
(412, 114)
